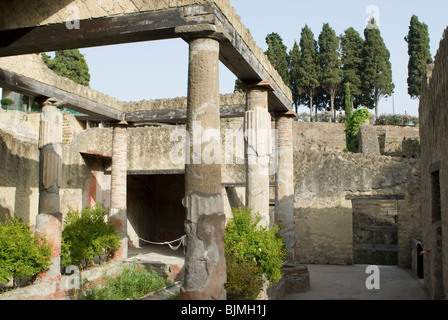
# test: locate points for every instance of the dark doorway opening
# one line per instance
(154, 207)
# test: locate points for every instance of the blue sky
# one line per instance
(158, 69)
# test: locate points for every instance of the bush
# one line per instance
(7, 102)
(252, 252)
(87, 235)
(352, 124)
(243, 282)
(133, 282)
(22, 254)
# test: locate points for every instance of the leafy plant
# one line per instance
(87, 235)
(243, 282)
(22, 254)
(133, 282)
(352, 124)
(252, 252)
(7, 102)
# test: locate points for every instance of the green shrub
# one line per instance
(87, 235)
(22, 254)
(133, 282)
(243, 282)
(252, 247)
(7, 102)
(352, 124)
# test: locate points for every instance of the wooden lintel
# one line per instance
(128, 28)
(21, 84)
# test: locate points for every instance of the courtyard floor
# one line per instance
(335, 282)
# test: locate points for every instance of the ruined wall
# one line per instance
(323, 179)
(433, 119)
(19, 167)
(324, 176)
(231, 99)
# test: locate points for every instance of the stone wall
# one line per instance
(433, 119)
(231, 99)
(325, 176)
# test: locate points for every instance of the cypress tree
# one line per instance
(377, 72)
(419, 55)
(278, 55)
(352, 62)
(308, 67)
(294, 64)
(348, 117)
(330, 72)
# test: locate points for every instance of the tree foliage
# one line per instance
(377, 71)
(278, 55)
(308, 69)
(330, 72)
(294, 75)
(70, 64)
(352, 63)
(419, 55)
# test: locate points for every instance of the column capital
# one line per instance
(284, 114)
(205, 30)
(122, 123)
(247, 86)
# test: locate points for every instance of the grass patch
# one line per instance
(133, 282)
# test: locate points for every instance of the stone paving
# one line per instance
(348, 282)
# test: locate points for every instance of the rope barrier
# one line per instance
(182, 242)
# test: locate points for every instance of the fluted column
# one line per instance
(49, 218)
(258, 147)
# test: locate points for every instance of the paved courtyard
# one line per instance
(334, 282)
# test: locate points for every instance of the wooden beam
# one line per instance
(18, 83)
(179, 115)
(126, 28)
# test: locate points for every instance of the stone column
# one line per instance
(49, 218)
(117, 212)
(284, 181)
(258, 147)
(205, 265)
